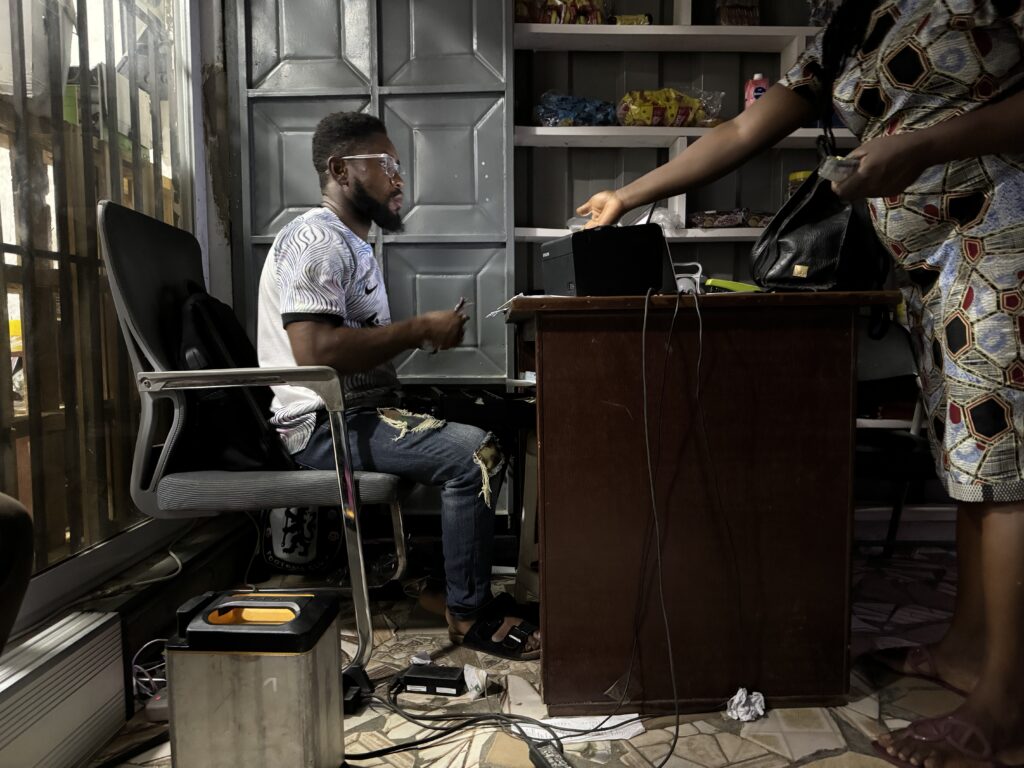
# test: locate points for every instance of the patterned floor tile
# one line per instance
(461, 752)
(705, 726)
(704, 750)
(151, 756)
(522, 698)
(371, 741)
(738, 750)
(850, 760)
(895, 603)
(667, 721)
(874, 614)
(867, 706)
(870, 728)
(504, 751)
(916, 614)
(928, 701)
(795, 733)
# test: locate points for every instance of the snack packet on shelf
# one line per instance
(561, 110)
(738, 12)
(528, 11)
(573, 12)
(717, 219)
(700, 108)
(758, 219)
(632, 18)
(665, 107)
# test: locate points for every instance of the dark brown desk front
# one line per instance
(752, 483)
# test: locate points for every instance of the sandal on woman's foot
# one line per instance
(918, 662)
(952, 736)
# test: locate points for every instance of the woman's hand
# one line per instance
(888, 165)
(605, 209)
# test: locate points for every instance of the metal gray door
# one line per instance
(438, 73)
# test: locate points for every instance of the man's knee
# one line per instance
(491, 463)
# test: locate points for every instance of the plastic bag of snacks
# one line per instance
(738, 217)
(711, 101)
(668, 107)
(557, 109)
(572, 12)
(717, 219)
(632, 18)
(528, 11)
(740, 12)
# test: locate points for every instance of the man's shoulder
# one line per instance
(308, 228)
(318, 229)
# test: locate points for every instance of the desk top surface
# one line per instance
(524, 307)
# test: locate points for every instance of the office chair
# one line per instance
(891, 450)
(152, 268)
(15, 561)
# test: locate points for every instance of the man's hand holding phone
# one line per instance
(444, 329)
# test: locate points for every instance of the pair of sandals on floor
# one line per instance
(953, 733)
(492, 616)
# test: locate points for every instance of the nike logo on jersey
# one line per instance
(369, 289)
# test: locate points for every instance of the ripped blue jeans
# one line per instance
(464, 460)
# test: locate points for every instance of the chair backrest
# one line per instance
(888, 357)
(887, 376)
(151, 267)
(170, 323)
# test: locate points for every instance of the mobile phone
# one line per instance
(836, 168)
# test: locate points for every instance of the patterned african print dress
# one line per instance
(958, 231)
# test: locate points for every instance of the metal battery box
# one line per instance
(254, 680)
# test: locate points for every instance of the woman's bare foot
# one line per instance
(988, 727)
(950, 664)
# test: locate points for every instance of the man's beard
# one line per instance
(377, 212)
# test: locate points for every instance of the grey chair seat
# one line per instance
(220, 491)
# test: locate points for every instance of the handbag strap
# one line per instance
(826, 143)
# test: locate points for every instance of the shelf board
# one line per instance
(671, 38)
(725, 235)
(631, 137)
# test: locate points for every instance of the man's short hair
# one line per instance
(339, 134)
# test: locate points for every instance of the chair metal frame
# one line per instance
(324, 382)
(890, 357)
(154, 382)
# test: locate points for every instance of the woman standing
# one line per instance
(934, 89)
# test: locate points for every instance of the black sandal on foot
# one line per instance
(513, 646)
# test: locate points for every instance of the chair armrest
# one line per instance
(319, 378)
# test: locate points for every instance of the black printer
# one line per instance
(608, 261)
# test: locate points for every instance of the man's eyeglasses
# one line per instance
(387, 162)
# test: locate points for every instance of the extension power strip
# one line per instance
(548, 756)
(434, 679)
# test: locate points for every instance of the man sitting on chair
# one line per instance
(322, 301)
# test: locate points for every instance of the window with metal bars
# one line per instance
(94, 103)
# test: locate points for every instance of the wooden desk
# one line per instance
(753, 484)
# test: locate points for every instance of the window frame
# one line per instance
(54, 588)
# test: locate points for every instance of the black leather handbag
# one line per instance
(818, 242)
